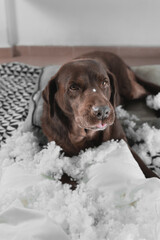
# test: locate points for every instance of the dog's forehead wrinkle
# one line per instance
(85, 75)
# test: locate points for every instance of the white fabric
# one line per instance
(20, 223)
(117, 171)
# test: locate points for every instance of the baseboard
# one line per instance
(74, 51)
(6, 52)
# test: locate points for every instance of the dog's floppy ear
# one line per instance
(48, 95)
(115, 99)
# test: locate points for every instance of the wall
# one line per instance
(3, 26)
(85, 22)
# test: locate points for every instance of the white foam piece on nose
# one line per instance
(94, 90)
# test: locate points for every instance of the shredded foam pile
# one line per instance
(30, 181)
(131, 212)
(146, 139)
(153, 101)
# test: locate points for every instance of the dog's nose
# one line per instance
(101, 111)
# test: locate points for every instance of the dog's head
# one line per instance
(85, 91)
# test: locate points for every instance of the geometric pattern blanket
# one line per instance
(17, 83)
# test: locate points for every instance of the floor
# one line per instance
(43, 61)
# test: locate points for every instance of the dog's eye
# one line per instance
(74, 87)
(105, 83)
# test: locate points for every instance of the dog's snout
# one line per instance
(101, 111)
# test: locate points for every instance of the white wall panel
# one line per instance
(88, 22)
(3, 25)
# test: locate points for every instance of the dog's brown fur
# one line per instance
(73, 95)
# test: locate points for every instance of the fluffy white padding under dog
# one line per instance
(112, 201)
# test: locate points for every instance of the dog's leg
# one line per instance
(137, 87)
(150, 87)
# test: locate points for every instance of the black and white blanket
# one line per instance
(17, 83)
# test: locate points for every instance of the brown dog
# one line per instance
(80, 101)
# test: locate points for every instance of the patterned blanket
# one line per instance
(17, 83)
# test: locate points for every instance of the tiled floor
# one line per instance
(44, 60)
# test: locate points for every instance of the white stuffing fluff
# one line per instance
(146, 139)
(85, 213)
(148, 147)
(153, 101)
(30, 180)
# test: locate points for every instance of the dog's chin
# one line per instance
(96, 127)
